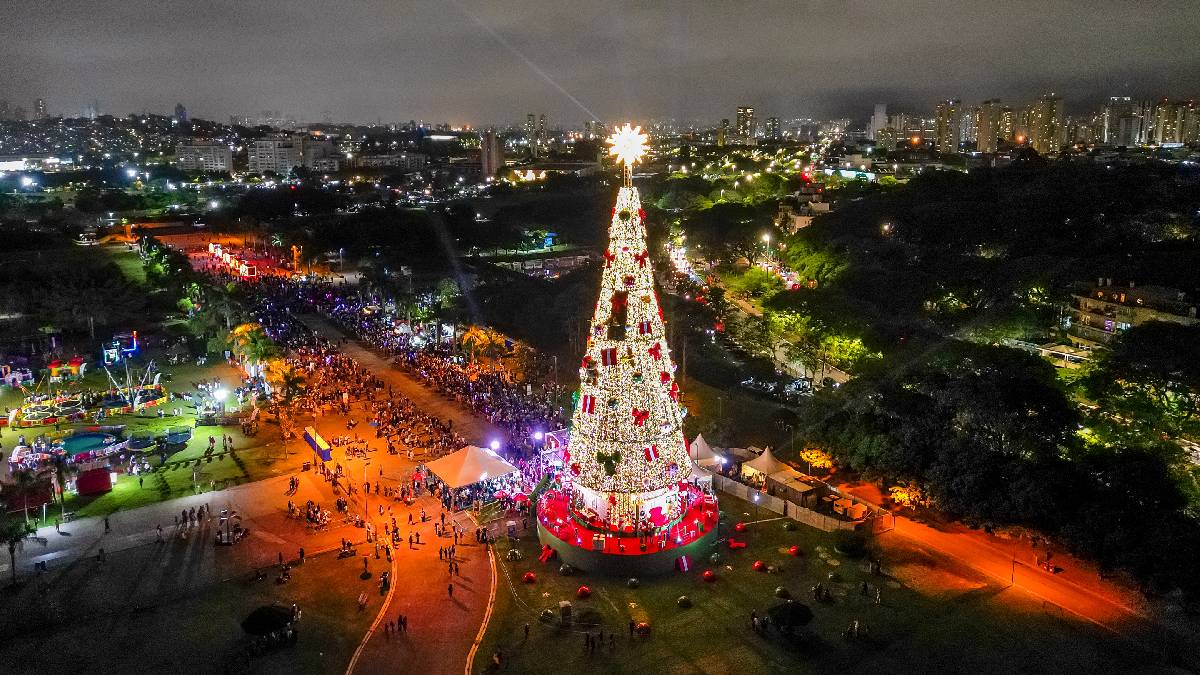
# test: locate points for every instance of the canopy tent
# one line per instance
(700, 476)
(763, 465)
(743, 454)
(469, 465)
(790, 485)
(702, 453)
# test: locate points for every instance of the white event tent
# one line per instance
(469, 465)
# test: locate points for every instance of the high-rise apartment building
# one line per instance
(879, 120)
(1008, 124)
(1046, 130)
(491, 154)
(181, 113)
(278, 153)
(723, 132)
(947, 126)
(774, 131)
(1170, 122)
(39, 109)
(989, 125)
(745, 121)
(204, 155)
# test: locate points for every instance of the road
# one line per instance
(1076, 587)
(473, 428)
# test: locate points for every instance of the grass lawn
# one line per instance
(129, 262)
(138, 614)
(933, 615)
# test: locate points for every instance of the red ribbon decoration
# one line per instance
(640, 417)
(674, 393)
(609, 257)
(664, 377)
(655, 351)
(641, 258)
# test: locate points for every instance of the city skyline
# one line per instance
(381, 62)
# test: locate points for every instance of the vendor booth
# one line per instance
(760, 467)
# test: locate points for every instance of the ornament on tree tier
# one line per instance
(674, 391)
(575, 469)
(628, 280)
(609, 461)
(641, 213)
(664, 377)
(613, 403)
(609, 258)
(644, 327)
(588, 404)
(637, 378)
(624, 214)
(651, 453)
(608, 356)
(641, 258)
(655, 351)
(640, 417)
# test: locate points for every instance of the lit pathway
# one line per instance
(475, 429)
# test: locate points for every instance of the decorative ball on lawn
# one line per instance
(583, 592)
(781, 592)
(789, 526)
(684, 602)
(548, 615)
(709, 576)
(529, 577)
(633, 582)
(740, 527)
(565, 570)
(794, 550)
(642, 628)
(760, 566)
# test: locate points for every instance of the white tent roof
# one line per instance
(469, 465)
(765, 463)
(793, 479)
(700, 449)
(699, 473)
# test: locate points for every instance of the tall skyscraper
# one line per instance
(723, 132)
(1170, 118)
(745, 121)
(774, 132)
(1046, 130)
(948, 121)
(879, 120)
(531, 134)
(989, 125)
(181, 113)
(39, 109)
(491, 154)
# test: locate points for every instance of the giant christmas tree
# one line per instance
(627, 452)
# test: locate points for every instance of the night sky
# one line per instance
(465, 61)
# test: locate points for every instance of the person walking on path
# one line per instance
(106, 526)
(450, 590)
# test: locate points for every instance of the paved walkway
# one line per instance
(473, 428)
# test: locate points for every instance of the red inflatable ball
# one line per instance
(709, 576)
(583, 592)
(740, 527)
(760, 566)
(529, 577)
(794, 550)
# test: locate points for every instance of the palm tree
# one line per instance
(26, 482)
(482, 341)
(12, 533)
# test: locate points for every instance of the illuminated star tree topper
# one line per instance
(628, 145)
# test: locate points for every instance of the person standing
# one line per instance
(450, 590)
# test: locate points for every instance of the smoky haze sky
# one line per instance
(466, 61)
